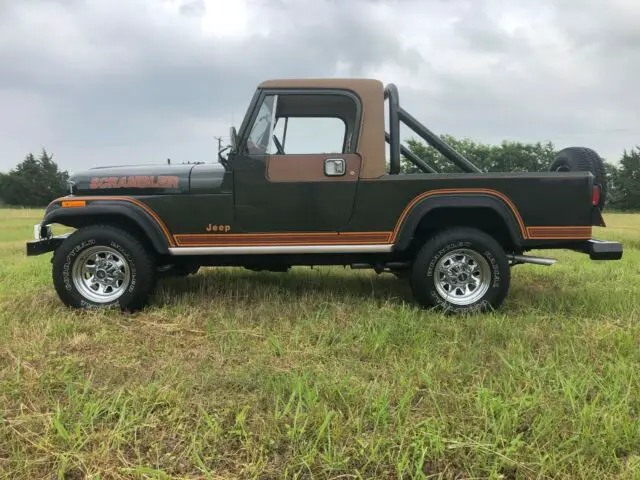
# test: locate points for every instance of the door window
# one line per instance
(307, 124)
(308, 135)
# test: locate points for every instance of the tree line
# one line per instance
(37, 180)
(34, 182)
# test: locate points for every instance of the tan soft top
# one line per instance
(371, 144)
(349, 83)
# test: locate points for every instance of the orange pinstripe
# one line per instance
(560, 233)
(344, 238)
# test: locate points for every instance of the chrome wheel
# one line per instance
(462, 277)
(101, 274)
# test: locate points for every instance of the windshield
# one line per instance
(258, 141)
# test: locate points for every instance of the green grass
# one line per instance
(323, 373)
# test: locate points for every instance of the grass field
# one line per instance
(323, 373)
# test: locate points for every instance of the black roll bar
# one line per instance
(391, 93)
(398, 114)
(413, 158)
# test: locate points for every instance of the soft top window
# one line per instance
(314, 123)
(304, 123)
(308, 135)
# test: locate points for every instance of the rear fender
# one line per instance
(462, 201)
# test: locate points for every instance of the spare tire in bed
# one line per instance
(580, 159)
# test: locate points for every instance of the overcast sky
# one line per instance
(102, 82)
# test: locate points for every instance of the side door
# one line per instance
(296, 169)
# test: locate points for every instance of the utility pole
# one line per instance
(219, 142)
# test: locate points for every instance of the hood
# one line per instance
(134, 180)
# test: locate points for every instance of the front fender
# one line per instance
(96, 211)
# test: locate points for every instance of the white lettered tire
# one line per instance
(461, 270)
(102, 266)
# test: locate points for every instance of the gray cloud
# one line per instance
(100, 82)
(194, 7)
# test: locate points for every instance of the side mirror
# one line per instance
(233, 135)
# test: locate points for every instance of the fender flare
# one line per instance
(95, 209)
(460, 200)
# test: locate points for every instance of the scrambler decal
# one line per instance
(135, 181)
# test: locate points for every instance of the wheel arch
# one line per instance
(484, 212)
(127, 216)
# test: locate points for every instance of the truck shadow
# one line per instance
(534, 294)
(297, 284)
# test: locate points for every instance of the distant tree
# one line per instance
(520, 157)
(612, 174)
(506, 157)
(3, 177)
(34, 182)
(427, 153)
(626, 192)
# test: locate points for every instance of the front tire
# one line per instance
(461, 270)
(102, 266)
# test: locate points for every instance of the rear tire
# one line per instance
(579, 159)
(102, 266)
(461, 270)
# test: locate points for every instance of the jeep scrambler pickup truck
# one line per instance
(306, 182)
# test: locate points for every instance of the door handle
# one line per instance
(335, 167)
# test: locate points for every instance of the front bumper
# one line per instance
(602, 249)
(44, 241)
(44, 245)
